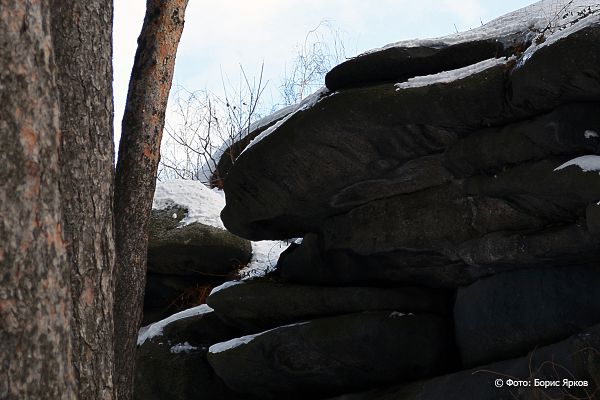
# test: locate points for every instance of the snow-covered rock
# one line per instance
(518, 33)
(202, 204)
(186, 234)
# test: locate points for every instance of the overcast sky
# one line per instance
(219, 35)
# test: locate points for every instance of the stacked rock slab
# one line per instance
(450, 227)
(171, 358)
(187, 258)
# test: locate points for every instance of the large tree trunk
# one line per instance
(139, 153)
(35, 302)
(82, 40)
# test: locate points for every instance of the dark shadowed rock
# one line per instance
(173, 365)
(310, 263)
(349, 146)
(434, 220)
(592, 219)
(412, 176)
(194, 249)
(331, 355)
(505, 315)
(284, 185)
(556, 246)
(400, 63)
(567, 130)
(262, 305)
(574, 359)
(562, 72)
(541, 188)
(562, 245)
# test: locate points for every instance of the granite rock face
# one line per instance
(329, 355)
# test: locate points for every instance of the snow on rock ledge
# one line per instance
(203, 204)
(156, 329)
(587, 163)
(543, 16)
(529, 28)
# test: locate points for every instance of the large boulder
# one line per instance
(285, 184)
(333, 355)
(566, 370)
(193, 249)
(397, 63)
(313, 164)
(186, 235)
(509, 34)
(454, 233)
(171, 358)
(505, 315)
(311, 263)
(261, 305)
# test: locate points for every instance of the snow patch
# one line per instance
(520, 24)
(156, 329)
(265, 255)
(233, 343)
(182, 348)
(450, 76)
(307, 102)
(224, 286)
(588, 134)
(586, 163)
(203, 204)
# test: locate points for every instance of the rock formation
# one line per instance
(449, 223)
(189, 250)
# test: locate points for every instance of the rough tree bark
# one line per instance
(82, 41)
(35, 302)
(139, 153)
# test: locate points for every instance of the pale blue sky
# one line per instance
(222, 34)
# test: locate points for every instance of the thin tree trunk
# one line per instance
(35, 301)
(82, 40)
(139, 153)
